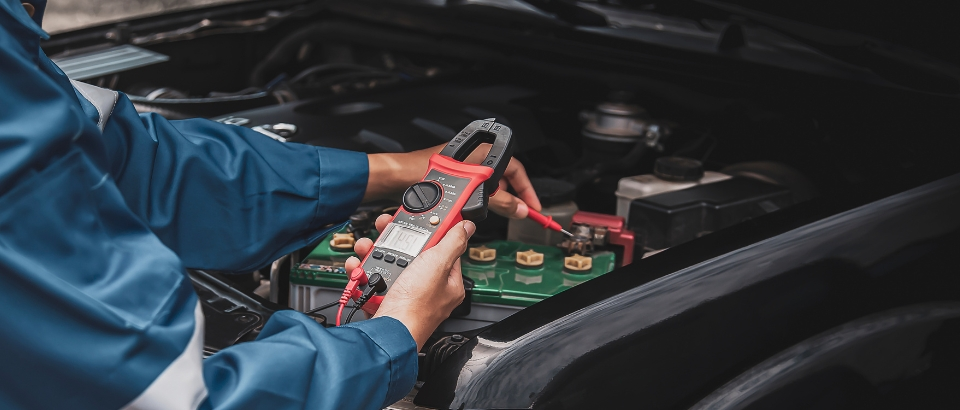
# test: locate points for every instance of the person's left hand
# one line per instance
(391, 174)
(503, 202)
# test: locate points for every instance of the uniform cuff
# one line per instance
(397, 342)
(343, 182)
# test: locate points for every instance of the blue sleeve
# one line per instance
(297, 364)
(225, 197)
(94, 306)
(98, 312)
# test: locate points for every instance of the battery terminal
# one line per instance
(342, 242)
(578, 263)
(529, 259)
(482, 254)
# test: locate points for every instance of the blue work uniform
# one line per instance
(100, 211)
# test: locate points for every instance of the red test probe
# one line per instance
(547, 222)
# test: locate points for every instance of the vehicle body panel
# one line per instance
(675, 337)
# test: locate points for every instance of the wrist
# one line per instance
(419, 326)
(390, 174)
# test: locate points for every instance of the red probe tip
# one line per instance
(546, 221)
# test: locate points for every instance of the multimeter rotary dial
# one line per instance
(421, 197)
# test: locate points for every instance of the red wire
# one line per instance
(340, 313)
(357, 278)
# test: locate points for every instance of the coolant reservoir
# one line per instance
(670, 174)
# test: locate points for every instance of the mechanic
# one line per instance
(101, 209)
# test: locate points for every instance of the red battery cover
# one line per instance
(619, 234)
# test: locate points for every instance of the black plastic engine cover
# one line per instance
(232, 316)
(399, 118)
(672, 218)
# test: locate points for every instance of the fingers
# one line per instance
(456, 275)
(516, 175)
(515, 206)
(505, 204)
(352, 263)
(454, 243)
(382, 222)
(449, 249)
(363, 247)
(479, 154)
(455, 281)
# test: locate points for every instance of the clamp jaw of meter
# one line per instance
(448, 193)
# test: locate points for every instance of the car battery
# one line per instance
(502, 285)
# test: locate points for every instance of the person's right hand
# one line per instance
(430, 288)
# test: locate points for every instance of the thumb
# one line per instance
(453, 244)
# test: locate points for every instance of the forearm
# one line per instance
(391, 174)
(194, 180)
(299, 364)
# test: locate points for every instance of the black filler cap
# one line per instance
(678, 169)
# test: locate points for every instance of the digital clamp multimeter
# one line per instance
(448, 193)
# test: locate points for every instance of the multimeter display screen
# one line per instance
(403, 239)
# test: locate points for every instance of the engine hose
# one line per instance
(323, 68)
(356, 33)
(401, 40)
(203, 100)
(182, 108)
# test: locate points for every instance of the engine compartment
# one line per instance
(644, 153)
(572, 172)
(632, 158)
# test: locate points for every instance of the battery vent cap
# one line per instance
(678, 169)
(482, 254)
(342, 242)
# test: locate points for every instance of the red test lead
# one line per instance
(358, 278)
(547, 222)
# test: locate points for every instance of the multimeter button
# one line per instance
(389, 259)
(434, 220)
(402, 263)
(421, 197)
(376, 255)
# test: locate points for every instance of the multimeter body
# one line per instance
(448, 193)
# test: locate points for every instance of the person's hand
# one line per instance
(503, 202)
(391, 174)
(430, 288)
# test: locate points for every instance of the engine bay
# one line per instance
(590, 180)
(631, 161)
(627, 181)
(688, 155)
(627, 173)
